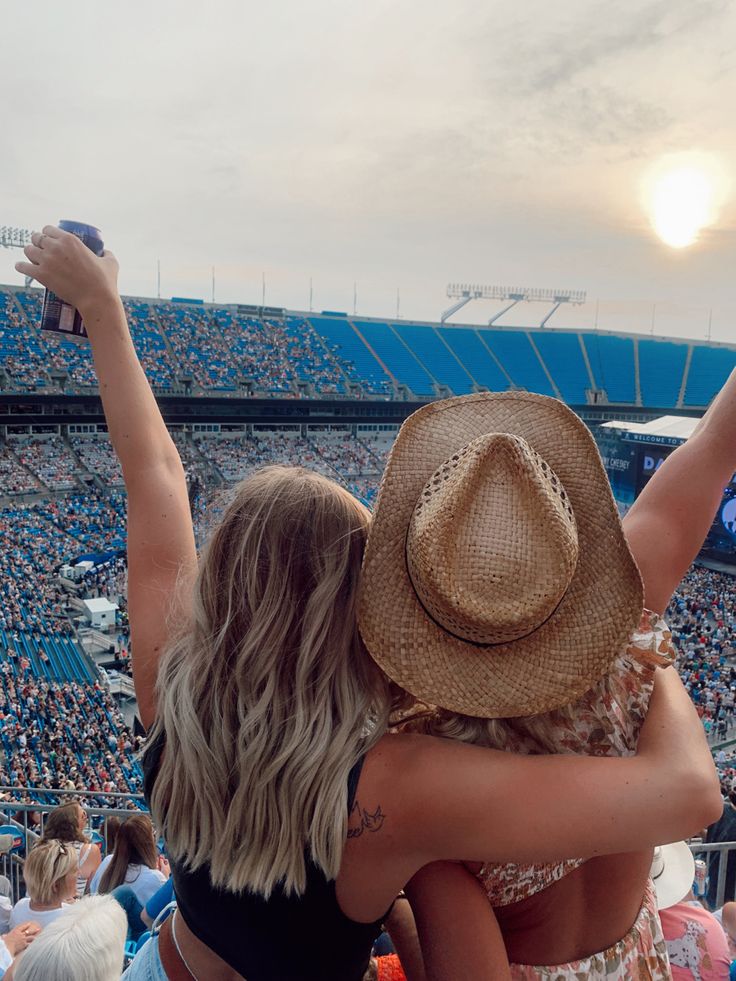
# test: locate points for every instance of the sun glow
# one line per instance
(683, 195)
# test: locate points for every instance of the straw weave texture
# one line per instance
(497, 581)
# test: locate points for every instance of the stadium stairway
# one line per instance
(709, 369)
(346, 343)
(468, 347)
(399, 359)
(8, 450)
(351, 380)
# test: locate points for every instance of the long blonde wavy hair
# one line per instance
(528, 734)
(267, 697)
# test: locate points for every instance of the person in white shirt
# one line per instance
(50, 873)
(133, 873)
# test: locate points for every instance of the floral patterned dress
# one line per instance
(605, 722)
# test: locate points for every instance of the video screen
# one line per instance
(649, 460)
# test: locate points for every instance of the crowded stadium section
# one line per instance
(241, 388)
(60, 548)
(235, 350)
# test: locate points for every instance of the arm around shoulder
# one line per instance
(466, 803)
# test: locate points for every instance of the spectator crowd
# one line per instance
(61, 734)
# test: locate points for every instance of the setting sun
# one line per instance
(683, 195)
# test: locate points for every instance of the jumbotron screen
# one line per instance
(649, 459)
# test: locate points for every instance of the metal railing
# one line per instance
(724, 891)
(28, 821)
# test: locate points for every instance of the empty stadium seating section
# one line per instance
(207, 349)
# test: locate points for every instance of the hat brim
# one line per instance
(567, 654)
(678, 873)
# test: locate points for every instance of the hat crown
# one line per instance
(492, 543)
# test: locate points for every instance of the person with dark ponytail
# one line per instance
(133, 872)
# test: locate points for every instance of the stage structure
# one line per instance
(633, 453)
(464, 292)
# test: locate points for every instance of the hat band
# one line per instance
(451, 633)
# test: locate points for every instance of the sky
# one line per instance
(396, 145)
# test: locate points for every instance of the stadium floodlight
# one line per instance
(465, 292)
(14, 238)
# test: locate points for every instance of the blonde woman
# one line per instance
(286, 807)
(50, 875)
(594, 919)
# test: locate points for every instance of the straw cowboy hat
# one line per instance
(672, 872)
(497, 581)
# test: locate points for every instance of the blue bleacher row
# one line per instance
(216, 349)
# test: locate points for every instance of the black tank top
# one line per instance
(284, 938)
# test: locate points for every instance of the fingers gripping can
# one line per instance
(60, 317)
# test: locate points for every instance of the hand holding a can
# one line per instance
(62, 263)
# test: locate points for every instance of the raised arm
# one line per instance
(161, 551)
(667, 524)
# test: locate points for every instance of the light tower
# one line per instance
(465, 292)
(15, 238)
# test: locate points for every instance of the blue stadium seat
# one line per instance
(473, 353)
(519, 359)
(399, 360)
(611, 360)
(709, 369)
(563, 357)
(347, 345)
(661, 364)
(428, 346)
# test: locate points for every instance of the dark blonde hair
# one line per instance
(46, 868)
(268, 697)
(62, 823)
(134, 846)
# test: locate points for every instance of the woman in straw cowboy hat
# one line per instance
(286, 806)
(523, 607)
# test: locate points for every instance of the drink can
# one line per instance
(700, 884)
(60, 317)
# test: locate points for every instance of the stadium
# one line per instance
(361, 620)
(241, 386)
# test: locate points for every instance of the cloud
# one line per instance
(401, 141)
(583, 36)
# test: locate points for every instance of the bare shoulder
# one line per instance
(388, 785)
(409, 769)
(405, 757)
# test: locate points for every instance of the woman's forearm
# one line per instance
(668, 522)
(719, 422)
(672, 727)
(137, 431)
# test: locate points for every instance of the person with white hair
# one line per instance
(86, 943)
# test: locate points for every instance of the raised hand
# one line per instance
(62, 263)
